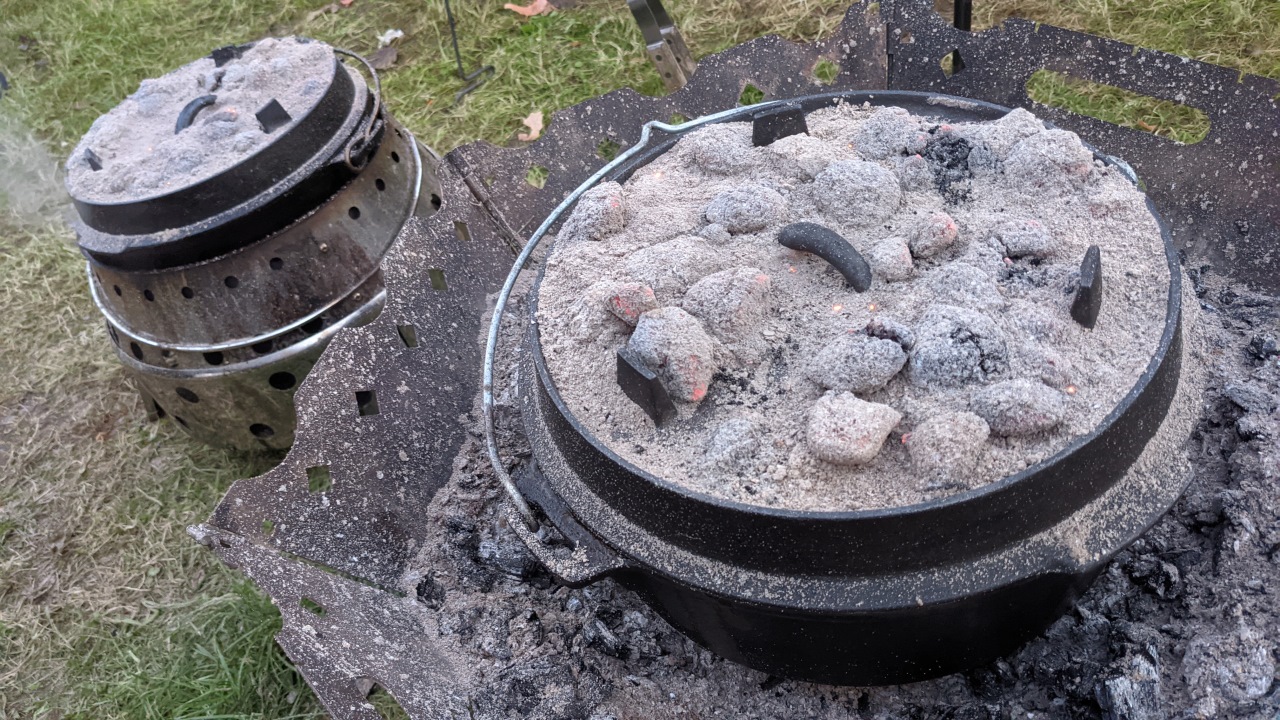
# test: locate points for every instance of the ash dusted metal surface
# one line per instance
(279, 282)
(378, 516)
(385, 467)
(224, 343)
(1218, 195)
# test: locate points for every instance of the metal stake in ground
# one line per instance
(476, 77)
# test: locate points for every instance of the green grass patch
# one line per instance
(209, 657)
(1121, 107)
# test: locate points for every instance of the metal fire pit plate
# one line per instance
(380, 413)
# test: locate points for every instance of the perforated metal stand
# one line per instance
(382, 412)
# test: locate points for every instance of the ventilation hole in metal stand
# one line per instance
(462, 231)
(319, 478)
(380, 184)
(353, 213)
(408, 335)
(385, 704)
(437, 279)
(750, 95)
(188, 293)
(311, 606)
(117, 290)
(180, 421)
(825, 72)
(1183, 123)
(537, 176)
(436, 202)
(367, 402)
(260, 430)
(607, 150)
(213, 358)
(231, 281)
(262, 348)
(282, 380)
(276, 263)
(952, 63)
(313, 326)
(160, 413)
(136, 349)
(150, 296)
(395, 157)
(187, 395)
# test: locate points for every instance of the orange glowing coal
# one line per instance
(1071, 389)
(837, 308)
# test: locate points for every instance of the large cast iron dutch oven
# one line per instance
(866, 597)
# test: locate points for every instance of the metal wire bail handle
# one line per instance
(360, 142)
(491, 347)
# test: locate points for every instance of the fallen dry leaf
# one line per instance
(383, 58)
(537, 7)
(534, 123)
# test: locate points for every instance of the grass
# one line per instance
(1240, 34)
(107, 609)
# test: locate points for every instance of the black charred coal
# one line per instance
(1263, 349)
(1088, 300)
(644, 387)
(948, 158)
(777, 123)
(830, 246)
(224, 55)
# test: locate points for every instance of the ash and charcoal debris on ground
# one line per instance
(1183, 624)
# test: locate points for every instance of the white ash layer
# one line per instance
(141, 155)
(960, 365)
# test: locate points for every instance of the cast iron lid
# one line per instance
(300, 167)
(967, 524)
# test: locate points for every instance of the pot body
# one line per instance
(866, 597)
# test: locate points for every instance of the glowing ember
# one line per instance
(872, 307)
(837, 308)
(1071, 389)
(791, 268)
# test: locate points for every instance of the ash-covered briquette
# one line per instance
(959, 364)
(133, 151)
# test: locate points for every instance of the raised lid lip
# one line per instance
(170, 212)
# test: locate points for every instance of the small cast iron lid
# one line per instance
(206, 138)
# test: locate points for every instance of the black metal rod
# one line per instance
(453, 33)
(964, 14)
